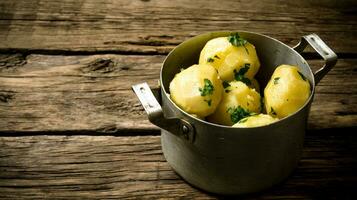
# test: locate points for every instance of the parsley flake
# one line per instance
(272, 111)
(225, 84)
(239, 75)
(237, 113)
(237, 41)
(276, 80)
(207, 88)
(209, 102)
(215, 56)
(302, 76)
(210, 59)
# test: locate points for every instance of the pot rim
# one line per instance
(282, 120)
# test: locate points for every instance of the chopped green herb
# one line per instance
(208, 102)
(227, 91)
(237, 113)
(207, 88)
(239, 76)
(246, 80)
(225, 84)
(302, 76)
(217, 57)
(244, 69)
(243, 120)
(272, 111)
(210, 59)
(276, 80)
(237, 41)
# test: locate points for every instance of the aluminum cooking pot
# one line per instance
(222, 159)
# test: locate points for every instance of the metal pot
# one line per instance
(222, 159)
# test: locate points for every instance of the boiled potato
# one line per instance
(254, 84)
(197, 90)
(255, 121)
(286, 92)
(238, 101)
(232, 62)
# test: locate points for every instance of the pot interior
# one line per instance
(271, 53)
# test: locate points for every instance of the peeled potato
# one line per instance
(238, 101)
(227, 58)
(197, 90)
(255, 121)
(286, 92)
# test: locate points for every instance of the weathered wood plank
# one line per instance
(133, 167)
(92, 93)
(156, 26)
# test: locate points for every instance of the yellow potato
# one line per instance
(254, 84)
(255, 121)
(229, 59)
(286, 92)
(197, 90)
(238, 101)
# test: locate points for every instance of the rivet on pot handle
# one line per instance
(322, 49)
(156, 116)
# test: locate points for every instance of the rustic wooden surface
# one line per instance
(134, 167)
(70, 127)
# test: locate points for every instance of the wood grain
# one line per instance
(40, 93)
(62, 167)
(156, 26)
(66, 68)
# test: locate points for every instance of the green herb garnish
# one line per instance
(237, 41)
(217, 57)
(207, 88)
(239, 76)
(276, 80)
(302, 76)
(225, 84)
(210, 59)
(272, 111)
(208, 102)
(237, 113)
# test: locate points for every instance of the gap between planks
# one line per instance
(42, 94)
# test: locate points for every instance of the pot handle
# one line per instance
(322, 49)
(174, 125)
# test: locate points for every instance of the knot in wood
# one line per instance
(102, 65)
(6, 97)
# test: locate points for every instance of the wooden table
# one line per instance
(71, 127)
